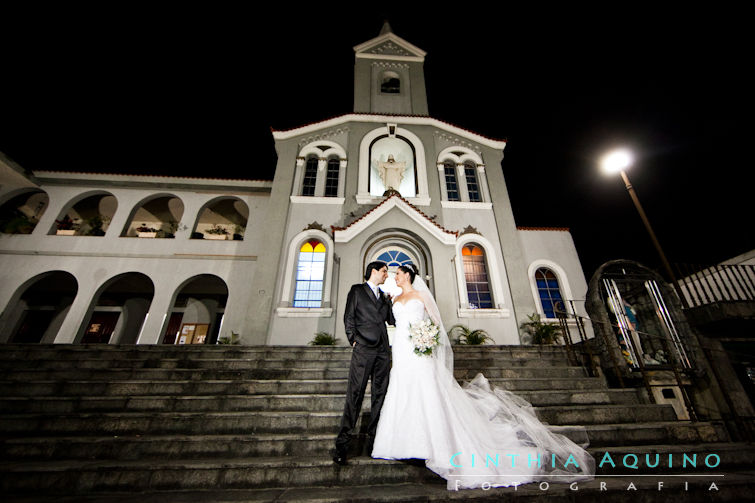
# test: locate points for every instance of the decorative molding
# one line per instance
(382, 119)
(304, 312)
(324, 135)
(317, 200)
(463, 312)
(370, 199)
(390, 64)
(465, 205)
(470, 230)
(346, 234)
(457, 141)
(314, 225)
(390, 48)
(389, 42)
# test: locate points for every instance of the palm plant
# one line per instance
(468, 336)
(541, 332)
(323, 339)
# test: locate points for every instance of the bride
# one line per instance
(475, 436)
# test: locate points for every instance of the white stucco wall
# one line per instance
(555, 250)
(168, 263)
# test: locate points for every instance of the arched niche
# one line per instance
(118, 310)
(157, 216)
(87, 215)
(21, 212)
(37, 309)
(197, 311)
(222, 218)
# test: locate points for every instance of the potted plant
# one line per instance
(170, 232)
(238, 232)
(67, 226)
(95, 225)
(233, 339)
(18, 223)
(467, 336)
(540, 332)
(217, 232)
(143, 231)
(323, 339)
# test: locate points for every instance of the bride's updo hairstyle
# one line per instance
(411, 269)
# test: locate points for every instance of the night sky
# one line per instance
(195, 93)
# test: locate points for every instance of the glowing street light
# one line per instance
(618, 161)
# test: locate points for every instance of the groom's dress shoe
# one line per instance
(340, 458)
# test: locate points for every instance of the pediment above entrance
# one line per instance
(346, 234)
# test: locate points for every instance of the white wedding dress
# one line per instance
(463, 433)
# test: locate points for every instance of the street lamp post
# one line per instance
(618, 161)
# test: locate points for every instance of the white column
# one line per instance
(322, 172)
(79, 310)
(482, 181)
(442, 178)
(342, 178)
(461, 182)
(157, 317)
(298, 174)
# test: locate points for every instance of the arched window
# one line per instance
(310, 274)
(476, 277)
(390, 83)
(21, 214)
(549, 292)
(473, 188)
(452, 187)
(310, 177)
(395, 258)
(331, 181)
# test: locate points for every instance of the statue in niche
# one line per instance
(391, 173)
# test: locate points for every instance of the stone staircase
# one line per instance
(247, 423)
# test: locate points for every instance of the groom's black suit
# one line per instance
(365, 319)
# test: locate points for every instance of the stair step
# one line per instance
(734, 487)
(243, 386)
(245, 445)
(93, 476)
(277, 421)
(654, 432)
(282, 402)
(284, 471)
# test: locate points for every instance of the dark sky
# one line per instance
(181, 92)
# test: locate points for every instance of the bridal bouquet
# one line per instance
(424, 336)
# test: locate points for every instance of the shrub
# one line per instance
(469, 337)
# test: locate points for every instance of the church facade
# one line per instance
(386, 182)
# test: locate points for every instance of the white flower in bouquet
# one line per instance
(424, 336)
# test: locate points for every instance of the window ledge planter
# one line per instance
(217, 237)
(147, 234)
(65, 232)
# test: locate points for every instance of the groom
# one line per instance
(367, 311)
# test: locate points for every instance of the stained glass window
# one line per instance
(395, 258)
(310, 273)
(476, 276)
(549, 292)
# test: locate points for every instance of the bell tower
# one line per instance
(389, 76)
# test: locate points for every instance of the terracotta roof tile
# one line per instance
(563, 229)
(388, 115)
(153, 176)
(455, 233)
